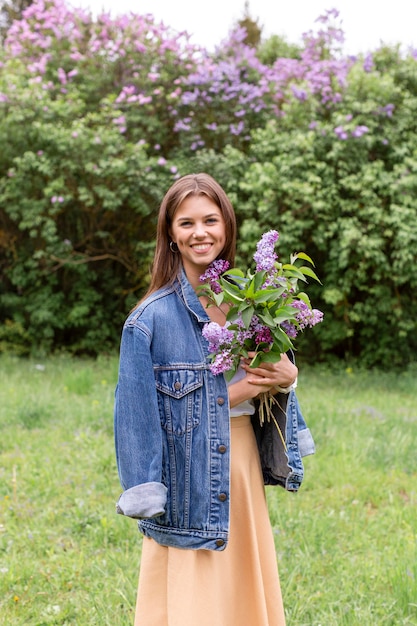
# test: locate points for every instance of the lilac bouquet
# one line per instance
(266, 308)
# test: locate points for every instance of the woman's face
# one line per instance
(199, 230)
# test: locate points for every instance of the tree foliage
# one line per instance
(11, 10)
(252, 28)
(99, 116)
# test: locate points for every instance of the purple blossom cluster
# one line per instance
(227, 344)
(387, 110)
(342, 133)
(213, 273)
(220, 340)
(305, 318)
(239, 336)
(368, 64)
(218, 336)
(265, 255)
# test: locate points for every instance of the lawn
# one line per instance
(346, 543)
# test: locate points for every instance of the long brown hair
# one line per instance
(167, 263)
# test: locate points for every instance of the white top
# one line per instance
(246, 407)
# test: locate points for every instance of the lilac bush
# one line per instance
(99, 115)
(231, 91)
(164, 90)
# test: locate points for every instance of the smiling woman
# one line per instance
(187, 454)
(197, 190)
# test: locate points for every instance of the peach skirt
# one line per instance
(236, 587)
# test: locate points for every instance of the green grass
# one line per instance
(346, 543)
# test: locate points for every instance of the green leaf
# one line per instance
(237, 280)
(297, 274)
(218, 298)
(234, 272)
(266, 317)
(309, 272)
(301, 255)
(259, 280)
(247, 315)
(230, 373)
(292, 270)
(233, 293)
(272, 356)
(257, 359)
(268, 295)
(281, 340)
(284, 313)
(304, 297)
(225, 284)
(250, 290)
(232, 313)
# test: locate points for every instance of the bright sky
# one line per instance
(366, 23)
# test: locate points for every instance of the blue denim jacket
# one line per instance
(172, 426)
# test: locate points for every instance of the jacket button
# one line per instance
(222, 497)
(220, 401)
(222, 448)
(219, 543)
(177, 385)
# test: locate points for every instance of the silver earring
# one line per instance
(171, 247)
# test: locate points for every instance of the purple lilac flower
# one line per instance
(62, 76)
(263, 335)
(340, 132)
(259, 332)
(298, 93)
(213, 272)
(316, 317)
(306, 317)
(368, 64)
(217, 336)
(243, 333)
(236, 129)
(388, 109)
(289, 329)
(359, 131)
(265, 256)
(223, 362)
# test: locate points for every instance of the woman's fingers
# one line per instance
(281, 373)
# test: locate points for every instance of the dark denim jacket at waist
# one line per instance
(172, 426)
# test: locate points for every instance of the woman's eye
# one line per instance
(212, 220)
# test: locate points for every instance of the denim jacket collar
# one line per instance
(188, 295)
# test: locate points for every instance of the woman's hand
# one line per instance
(282, 373)
(261, 379)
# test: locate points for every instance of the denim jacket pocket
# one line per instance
(179, 398)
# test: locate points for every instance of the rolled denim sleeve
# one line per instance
(142, 501)
(137, 427)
